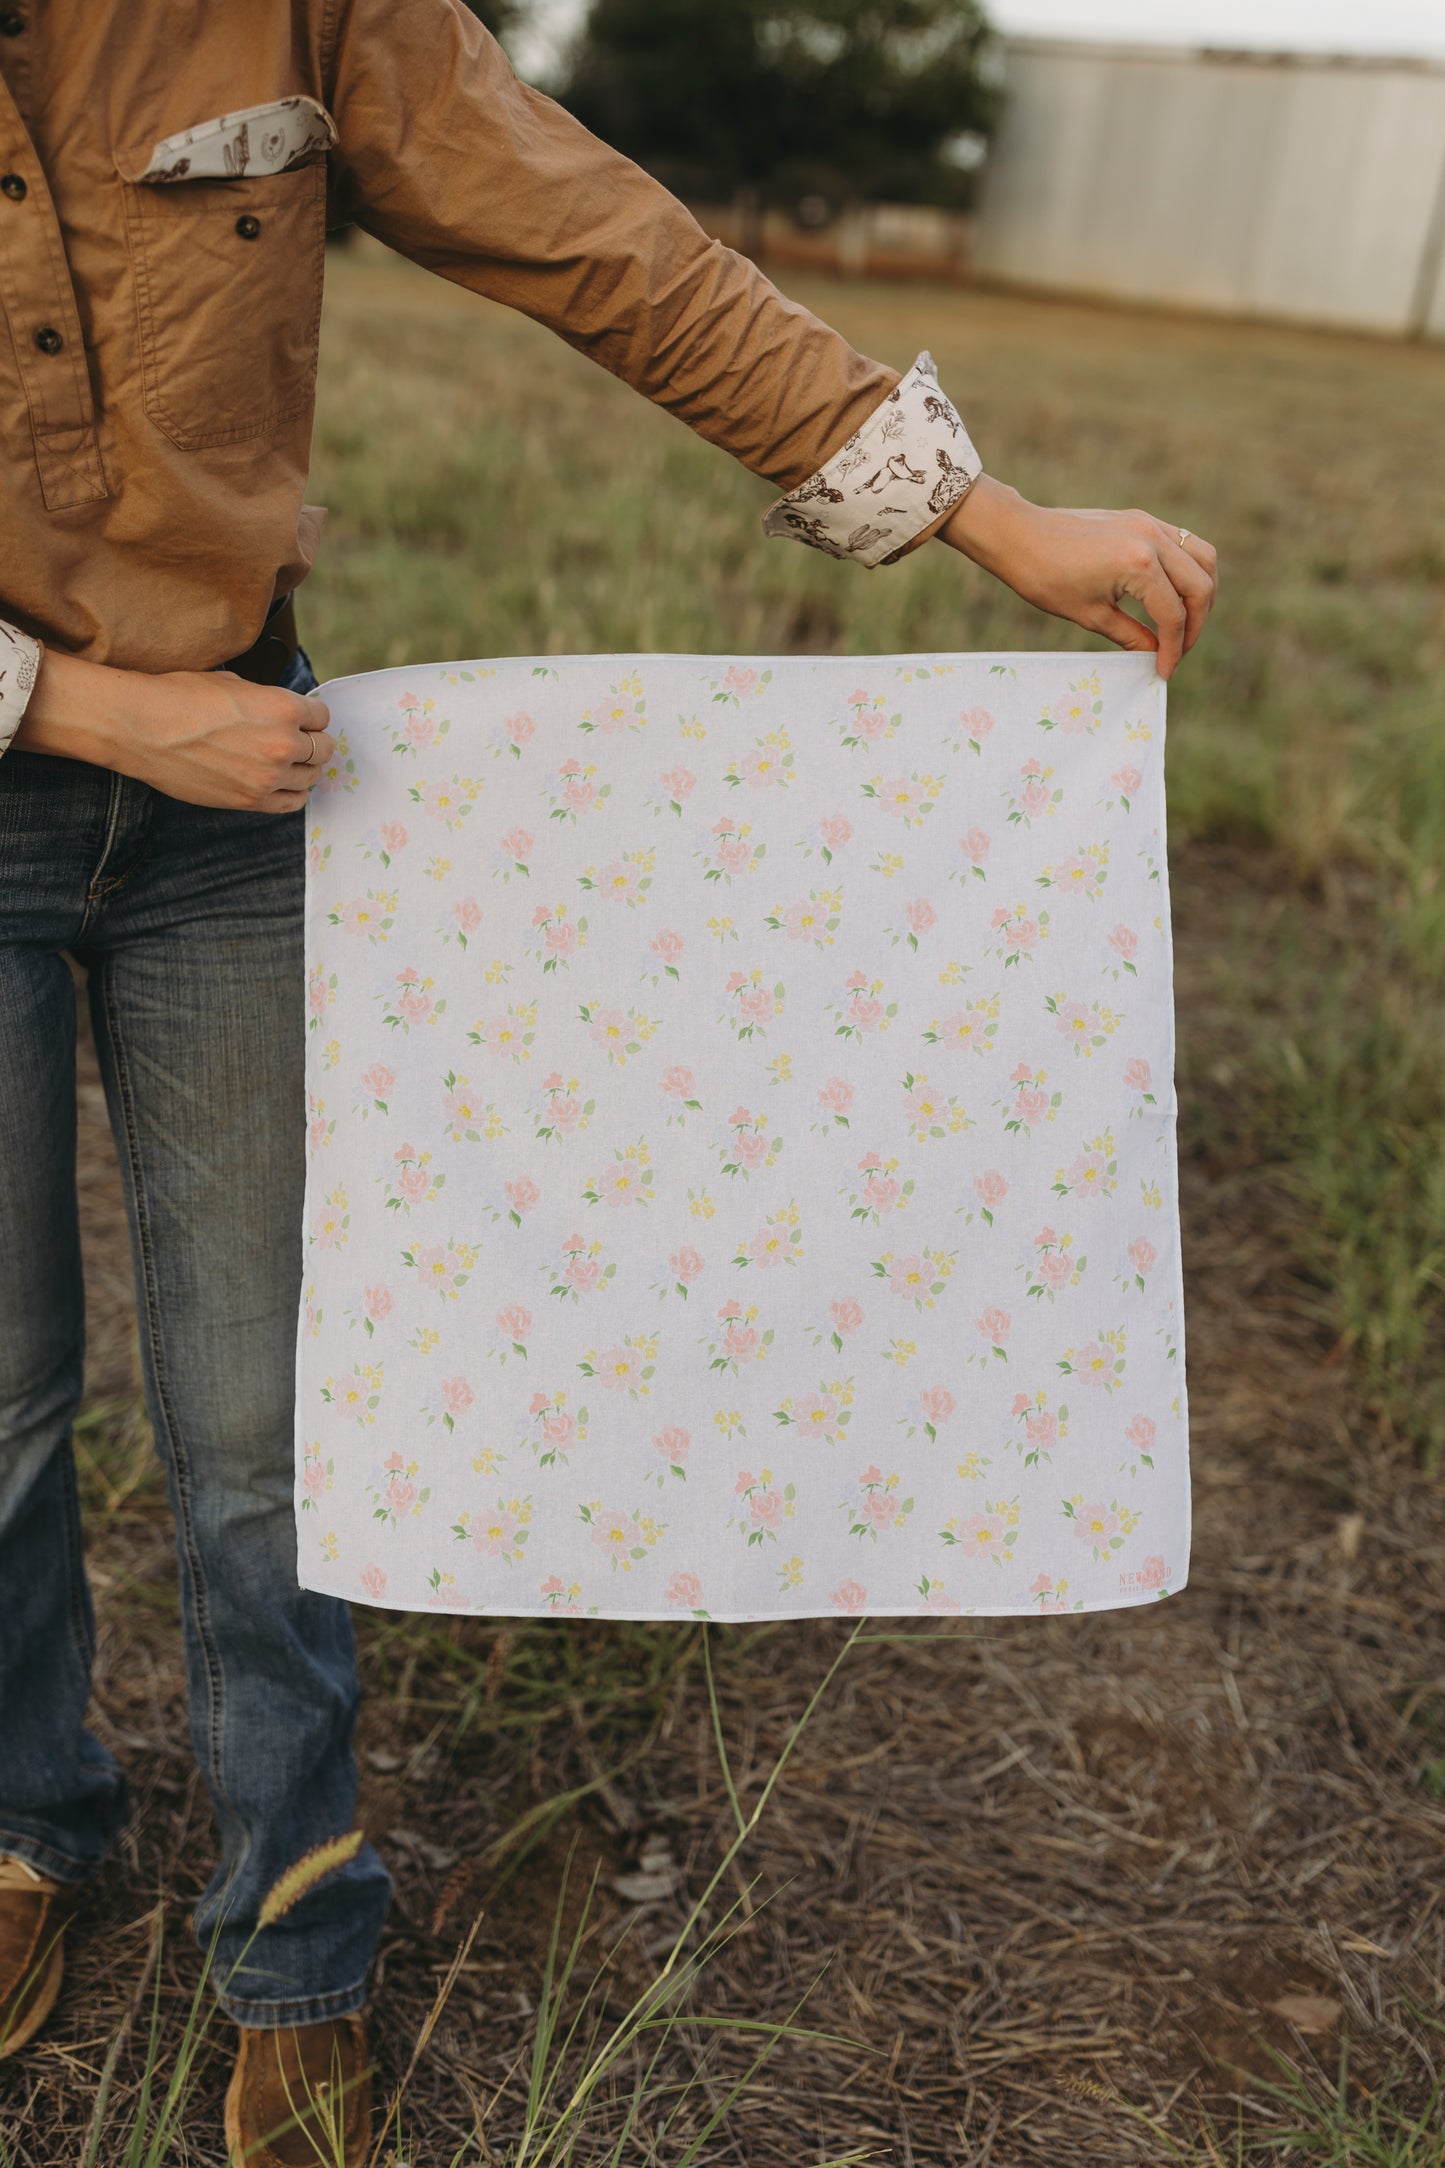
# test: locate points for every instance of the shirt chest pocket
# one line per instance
(228, 278)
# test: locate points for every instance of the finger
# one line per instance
(1125, 631)
(1193, 584)
(317, 716)
(282, 800)
(1171, 620)
(1204, 553)
(313, 749)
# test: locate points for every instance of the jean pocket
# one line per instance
(228, 300)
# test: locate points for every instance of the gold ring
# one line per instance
(310, 760)
(1183, 534)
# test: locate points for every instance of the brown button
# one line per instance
(248, 227)
(13, 187)
(48, 339)
(12, 22)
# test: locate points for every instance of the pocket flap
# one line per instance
(260, 139)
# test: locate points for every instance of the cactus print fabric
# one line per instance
(741, 1174)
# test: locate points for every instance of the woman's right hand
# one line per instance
(204, 736)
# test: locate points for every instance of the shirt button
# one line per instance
(48, 339)
(12, 22)
(13, 187)
(248, 227)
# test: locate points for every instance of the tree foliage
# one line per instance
(843, 99)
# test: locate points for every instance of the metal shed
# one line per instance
(1259, 184)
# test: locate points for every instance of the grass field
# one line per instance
(1128, 1889)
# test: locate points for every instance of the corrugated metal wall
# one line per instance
(1290, 187)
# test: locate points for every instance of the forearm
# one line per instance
(82, 711)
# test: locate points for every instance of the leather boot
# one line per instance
(301, 2097)
(32, 1955)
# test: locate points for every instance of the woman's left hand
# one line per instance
(1081, 564)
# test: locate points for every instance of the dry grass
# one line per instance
(1048, 1878)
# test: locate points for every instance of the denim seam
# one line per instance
(59, 1866)
(112, 823)
(297, 2010)
(101, 891)
(82, 1631)
(179, 1464)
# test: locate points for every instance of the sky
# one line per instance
(1412, 27)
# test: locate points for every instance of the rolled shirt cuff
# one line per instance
(19, 664)
(903, 471)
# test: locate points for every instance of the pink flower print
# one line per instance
(740, 1341)
(882, 1191)
(615, 1532)
(419, 730)
(378, 1303)
(1043, 1431)
(1031, 1105)
(398, 1492)
(770, 1245)
(977, 726)
(620, 1184)
(752, 1150)
(609, 1027)
(761, 767)
(517, 842)
(313, 1478)
(538, 1402)
(1143, 1257)
(318, 994)
(850, 1597)
(899, 796)
(560, 939)
(667, 946)
(618, 1369)
(1152, 1573)
(1033, 798)
(980, 1535)
(975, 847)
(1054, 1270)
(879, 1509)
(685, 1590)
(1137, 1075)
(677, 1081)
(1127, 780)
(733, 853)
(1094, 1364)
(738, 680)
(468, 915)
(686, 1264)
(1032, 767)
(492, 1533)
(1077, 1021)
(799, 921)
(730, 1309)
(442, 802)
(515, 1321)
(577, 792)
(1095, 1524)
(1089, 1175)
(837, 1097)
(907, 1277)
(565, 1114)
(679, 783)
(673, 1444)
(990, 1189)
(835, 831)
(413, 1002)
(1125, 943)
(755, 1003)
(1140, 1434)
(937, 1403)
(847, 1316)
(583, 1274)
(865, 1012)
(920, 915)
(995, 1325)
(765, 1509)
(523, 1194)
(328, 1228)
(413, 1183)
(393, 837)
(559, 1428)
(815, 1415)
(373, 1583)
(519, 729)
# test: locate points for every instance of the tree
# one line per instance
(843, 99)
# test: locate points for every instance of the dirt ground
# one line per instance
(1045, 1873)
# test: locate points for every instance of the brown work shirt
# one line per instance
(161, 252)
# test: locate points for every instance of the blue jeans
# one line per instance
(188, 922)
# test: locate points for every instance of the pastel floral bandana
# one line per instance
(741, 1172)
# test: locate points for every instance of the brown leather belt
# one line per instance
(268, 659)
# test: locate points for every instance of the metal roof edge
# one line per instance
(1241, 56)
